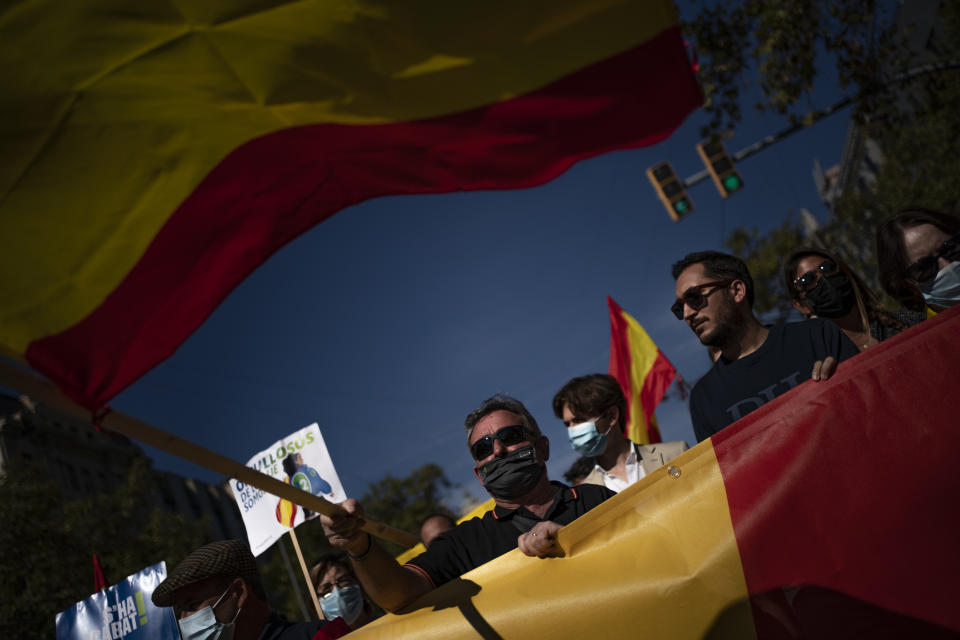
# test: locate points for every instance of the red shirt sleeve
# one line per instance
(335, 628)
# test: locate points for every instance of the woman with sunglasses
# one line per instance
(822, 285)
(918, 251)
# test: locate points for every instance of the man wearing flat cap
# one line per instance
(217, 593)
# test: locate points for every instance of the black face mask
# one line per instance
(512, 475)
(832, 297)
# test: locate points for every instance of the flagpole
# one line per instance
(26, 382)
(293, 580)
(306, 573)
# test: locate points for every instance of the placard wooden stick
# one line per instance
(26, 382)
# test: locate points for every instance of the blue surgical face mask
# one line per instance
(344, 602)
(944, 290)
(586, 440)
(203, 624)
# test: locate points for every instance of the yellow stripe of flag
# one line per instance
(658, 560)
(113, 111)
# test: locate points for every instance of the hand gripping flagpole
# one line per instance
(26, 382)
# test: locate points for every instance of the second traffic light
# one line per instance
(671, 190)
(720, 165)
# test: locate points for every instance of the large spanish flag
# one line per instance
(155, 153)
(830, 512)
(642, 370)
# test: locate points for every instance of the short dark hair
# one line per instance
(501, 402)
(324, 564)
(290, 464)
(591, 394)
(445, 516)
(892, 254)
(580, 468)
(718, 265)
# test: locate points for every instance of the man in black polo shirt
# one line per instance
(510, 457)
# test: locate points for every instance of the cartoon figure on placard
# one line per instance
(305, 478)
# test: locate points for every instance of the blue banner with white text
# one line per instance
(121, 611)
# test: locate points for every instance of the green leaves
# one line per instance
(784, 44)
(914, 124)
(405, 502)
(47, 544)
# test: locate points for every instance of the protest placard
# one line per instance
(121, 611)
(300, 459)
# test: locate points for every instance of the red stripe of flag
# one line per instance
(843, 495)
(275, 187)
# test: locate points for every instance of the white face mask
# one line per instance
(203, 624)
(944, 290)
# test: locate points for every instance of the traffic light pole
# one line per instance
(760, 145)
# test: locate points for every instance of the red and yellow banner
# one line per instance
(154, 154)
(827, 513)
(642, 370)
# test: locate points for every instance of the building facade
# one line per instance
(84, 461)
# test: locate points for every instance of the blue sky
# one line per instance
(389, 322)
(392, 320)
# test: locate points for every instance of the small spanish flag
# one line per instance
(642, 370)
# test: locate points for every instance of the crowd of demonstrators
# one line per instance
(918, 252)
(822, 285)
(217, 592)
(757, 363)
(434, 525)
(594, 410)
(339, 591)
(510, 455)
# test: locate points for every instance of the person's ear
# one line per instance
(738, 290)
(615, 418)
(242, 591)
(802, 308)
(542, 447)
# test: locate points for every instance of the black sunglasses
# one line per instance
(809, 280)
(926, 268)
(695, 298)
(507, 435)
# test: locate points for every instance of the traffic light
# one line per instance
(670, 190)
(720, 165)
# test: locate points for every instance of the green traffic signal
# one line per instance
(681, 206)
(732, 182)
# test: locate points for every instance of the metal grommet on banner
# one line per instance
(673, 471)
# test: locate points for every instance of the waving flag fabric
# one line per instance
(643, 372)
(155, 153)
(828, 513)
